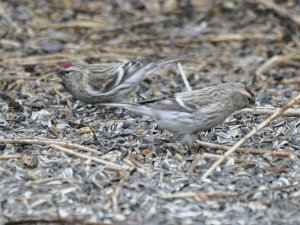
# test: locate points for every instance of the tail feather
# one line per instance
(142, 73)
(143, 109)
(157, 65)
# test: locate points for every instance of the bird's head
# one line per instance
(241, 95)
(66, 70)
(244, 97)
(70, 72)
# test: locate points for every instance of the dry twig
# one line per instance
(64, 147)
(279, 10)
(210, 156)
(194, 163)
(73, 24)
(50, 59)
(274, 116)
(48, 142)
(221, 38)
(114, 199)
(140, 166)
(273, 62)
(245, 196)
(51, 222)
(8, 157)
(186, 82)
(7, 17)
(121, 51)
(248, 151)
(295, 80)
(13, 78)
(268, 111)
(108, 165)
(199, 195)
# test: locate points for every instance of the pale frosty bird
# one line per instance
(187, 113)
(108, 82)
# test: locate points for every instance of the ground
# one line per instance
(255, 42)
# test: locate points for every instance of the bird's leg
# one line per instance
(199, 138)
(122, 114)
(189, 147)
(187, 140)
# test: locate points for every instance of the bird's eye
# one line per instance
(67, 72)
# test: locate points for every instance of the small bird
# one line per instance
(187, 113)
(108, 82)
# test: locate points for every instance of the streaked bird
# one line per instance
(108, 82)
(187, 113)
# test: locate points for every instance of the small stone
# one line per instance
(287, 93)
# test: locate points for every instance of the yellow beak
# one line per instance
(251, 104)
(56, 79)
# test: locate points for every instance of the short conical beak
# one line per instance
(251, 104)
(56, 79)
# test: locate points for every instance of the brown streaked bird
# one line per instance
(108, 82)
(187, 113)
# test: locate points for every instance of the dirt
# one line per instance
(156, 181)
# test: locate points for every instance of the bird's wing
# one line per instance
(202, 100)
(198, 100)
(106, 76)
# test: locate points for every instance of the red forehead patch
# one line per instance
(249, 91)
(66, 65)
